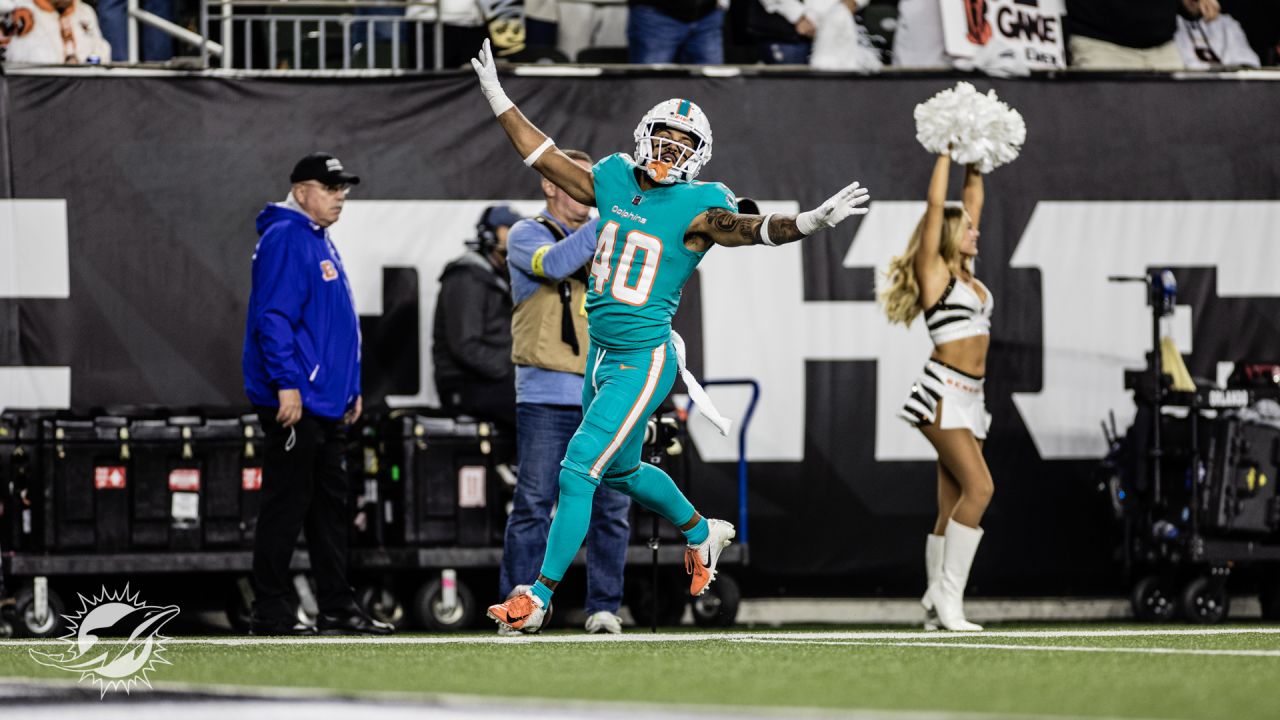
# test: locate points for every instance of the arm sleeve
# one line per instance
(565, 257)
(526, 238)
(792, 10)
(280, 283)
(464, 328)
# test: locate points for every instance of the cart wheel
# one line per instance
(25, 615)
(1153, 600)
(6, 617)
(239, 606)
(718, 606)
(430, 612)
(381, 602)
(1269, 597)
(673, 594)
(1205, 601)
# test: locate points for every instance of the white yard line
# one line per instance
(216, 702)
(1033, 648)
(643, 637)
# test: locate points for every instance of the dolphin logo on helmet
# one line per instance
(682, 115)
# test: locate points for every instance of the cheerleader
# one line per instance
(935, 277)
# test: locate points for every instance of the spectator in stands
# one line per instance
(548, 256)
(302, 373)
(472, 337)
(1205, 44)
(154, 45)
(53, 32)
(464, 29)
(1261, 22)
(783, 31)
(918, 41)
(541, 23)
(842, 42)
(676, 31)
(1127, 34)
(599, 26)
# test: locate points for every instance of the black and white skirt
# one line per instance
(960, 395)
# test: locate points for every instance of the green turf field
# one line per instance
(1076, 670)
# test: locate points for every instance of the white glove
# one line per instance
(835, 210)
(489, 85)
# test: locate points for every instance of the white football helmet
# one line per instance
(681, 115)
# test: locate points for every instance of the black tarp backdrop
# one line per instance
(163, 178)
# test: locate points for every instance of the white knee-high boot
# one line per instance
(948, 593)
(933, 549)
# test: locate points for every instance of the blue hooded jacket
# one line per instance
(302, 331)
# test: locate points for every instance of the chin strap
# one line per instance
(701, 400)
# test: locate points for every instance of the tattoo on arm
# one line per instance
(783, 230)
(745, 229)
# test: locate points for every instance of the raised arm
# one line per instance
(724, 227)
(973, 195)
(930, 253)
(538, 150)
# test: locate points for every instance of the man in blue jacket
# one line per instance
(302, 373)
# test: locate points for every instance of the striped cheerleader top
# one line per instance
(959, 313)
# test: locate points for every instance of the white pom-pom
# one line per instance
(977, 129)
(936, 126)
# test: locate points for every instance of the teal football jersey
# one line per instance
(641, 262)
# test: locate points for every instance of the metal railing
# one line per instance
(320, 34)
(137, 15)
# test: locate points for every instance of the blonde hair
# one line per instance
(901, 296)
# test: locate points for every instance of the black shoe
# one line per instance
(281, 628)
(352, 623)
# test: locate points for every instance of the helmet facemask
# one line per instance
(650, 147)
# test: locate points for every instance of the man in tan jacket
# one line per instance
(547, 257)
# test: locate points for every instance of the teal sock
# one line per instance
(543, 593)
(697, 534)
(569, 527)
(655, 489)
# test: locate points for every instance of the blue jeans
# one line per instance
(153, 45)
(655, 37)
(542, 435)
(785, 53)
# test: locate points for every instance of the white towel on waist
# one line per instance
(701, 400)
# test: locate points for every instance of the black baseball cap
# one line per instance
(324, 168)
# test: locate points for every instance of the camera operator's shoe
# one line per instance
(604, 622)
(522, 612)
(700, 560)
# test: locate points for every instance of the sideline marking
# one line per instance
(1037, 648)
(644, 637)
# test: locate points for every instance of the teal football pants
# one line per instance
(622, 390)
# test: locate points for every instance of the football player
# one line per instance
(656, 224)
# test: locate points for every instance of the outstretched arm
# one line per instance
(973, 195)
(723, 227)
(538, 150)
(930, 252)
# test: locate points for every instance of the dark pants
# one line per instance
(304, 486)
(655, 37)
(153, 46)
